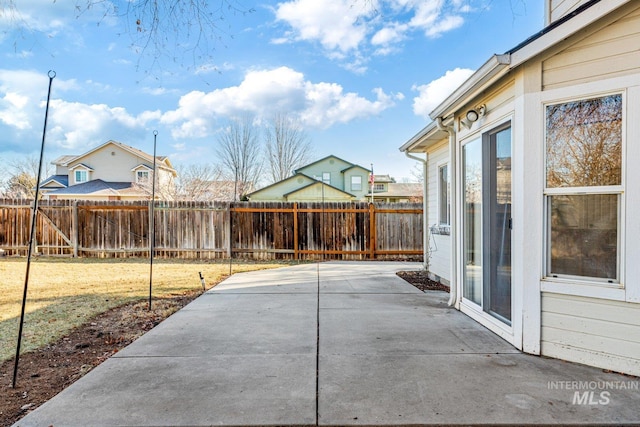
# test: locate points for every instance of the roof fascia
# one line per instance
(574, 22)
(429, 132)
(493, 69)
(499, 65)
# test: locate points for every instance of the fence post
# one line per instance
(230, 231)
(295, 231)
(75, 228)
(372, 231)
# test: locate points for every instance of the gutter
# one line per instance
(453, 282)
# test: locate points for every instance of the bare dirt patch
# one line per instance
(421, 280)
(45, 372)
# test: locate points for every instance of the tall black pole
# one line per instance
(52, 75)
(152, 229)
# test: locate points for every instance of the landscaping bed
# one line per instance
(45, 372)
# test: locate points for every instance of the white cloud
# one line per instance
(264, 91)
(336, 24)
(346, 28)
(433, 93)
(75, 125)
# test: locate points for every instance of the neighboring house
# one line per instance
(532, 188)
(387, 190)
(111, 171)
(328, 179)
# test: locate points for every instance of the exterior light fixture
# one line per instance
(473, 115)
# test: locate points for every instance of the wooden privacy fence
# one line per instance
(263, 230)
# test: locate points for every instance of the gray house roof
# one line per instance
(94, 186)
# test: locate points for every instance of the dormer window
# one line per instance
(81, 176)
(378, 187)
(142, 177)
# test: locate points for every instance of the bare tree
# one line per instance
(287, 146)
(21, 183)
(202, 183)
(173, 29)
(240, 154)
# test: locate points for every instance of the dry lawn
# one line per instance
(65, 293)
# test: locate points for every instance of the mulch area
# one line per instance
(421, 280)
(47, 371)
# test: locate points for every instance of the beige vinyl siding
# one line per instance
(440, 244)
(596, 332)
(112, 164)
(559, 8)
(612, 51)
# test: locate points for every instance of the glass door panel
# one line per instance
(472, 221)
(500, 283)
(486, 222)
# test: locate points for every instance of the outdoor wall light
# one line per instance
(473, 115)
(476, 113)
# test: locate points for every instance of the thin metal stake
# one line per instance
(52, 75)
(152, 229)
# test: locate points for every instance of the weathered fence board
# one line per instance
(262, 230)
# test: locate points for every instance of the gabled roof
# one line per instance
(354, 166)
(81, 165)
(295, 176)
(141, 166)
(499, 65)
(97, 186)
(316, 183)
(162, 161)
(60, 180)
(331, 156)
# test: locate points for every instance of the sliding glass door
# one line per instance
(486, 168)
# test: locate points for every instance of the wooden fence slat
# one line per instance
(263, 230)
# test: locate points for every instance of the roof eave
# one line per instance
(493, 69)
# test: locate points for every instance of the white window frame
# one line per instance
(356, 186)
(326, 177)
(139, 179)
(440, 165)
(83, 173)
(565, 283)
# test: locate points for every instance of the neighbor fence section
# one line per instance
(207, 230)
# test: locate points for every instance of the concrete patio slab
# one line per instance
(400, 324)
(218, 324)
(187, 391)
(462, 389)
(253, 351)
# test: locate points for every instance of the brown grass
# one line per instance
(65, 293)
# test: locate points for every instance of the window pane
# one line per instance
(356, 183)
(584, 142)
(472, 169)
(444, 189)
(584, 235)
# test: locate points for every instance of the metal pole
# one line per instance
(152, 230)
(52, 75)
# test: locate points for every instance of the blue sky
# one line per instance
(360, 75)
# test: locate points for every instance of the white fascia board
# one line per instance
(430, 128)
(494, 68)
(567, 29)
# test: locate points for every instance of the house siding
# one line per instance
(113, 168)
(598, 332)
(556, 9)
(612, 51)
(333, 165)
(440, 244)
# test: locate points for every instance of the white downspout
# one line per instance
(425, 210)
(453, 282)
